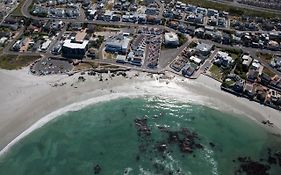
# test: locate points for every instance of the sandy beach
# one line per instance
(25, 99)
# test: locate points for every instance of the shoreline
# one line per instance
(37, 102)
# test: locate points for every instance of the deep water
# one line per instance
(107, 135)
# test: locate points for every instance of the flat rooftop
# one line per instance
(75, 45)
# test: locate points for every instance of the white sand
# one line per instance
(25, 99)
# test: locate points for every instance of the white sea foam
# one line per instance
(209, 156)
(170, 90)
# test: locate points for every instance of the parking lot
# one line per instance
(49, 66)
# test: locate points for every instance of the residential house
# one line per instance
(204, 49)
(223, 59)
(246, 61)
(252, 75)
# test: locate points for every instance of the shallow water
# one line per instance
(105, 134)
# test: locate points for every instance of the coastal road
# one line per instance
(25, 12)
(245, 6)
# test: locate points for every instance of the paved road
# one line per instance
(245, 6)
(161, 7)
(207, 64)
(26, 13)
(10, 44)
(53, 43)
(11, 10)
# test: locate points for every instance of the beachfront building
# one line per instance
(196, 60)
(204, 49)
(256, 64)
(171, 39)
(246, 61)
(276, 62)
(121, 59)
(223, 59)
(118, 44)
(45, 45)
(3, 40)
(74, 49)
(188, 70)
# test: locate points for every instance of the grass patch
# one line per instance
(85, 66)
(228, 83)
(234, 56)
(109, 56)
(265, 56)
(235, 11)
(234, 53)
(192, 45)
(109, 6)
(97, 43)
(239, 69)
(17, 11)
(11, 62)
(182, 39)
(268, 72)
(215, 72)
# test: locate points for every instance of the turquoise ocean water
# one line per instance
(106, 134)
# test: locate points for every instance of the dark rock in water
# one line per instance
(242, 159)
(278, 157)
(185, 146)
(161, 147)
(255, 168)
(97, 169)
(162, 128)
(142, 126)
(271, 160)
(212, 144)
(137, 158)
(173, 137)
(198, 145)
(250, 167)
(185, 131)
